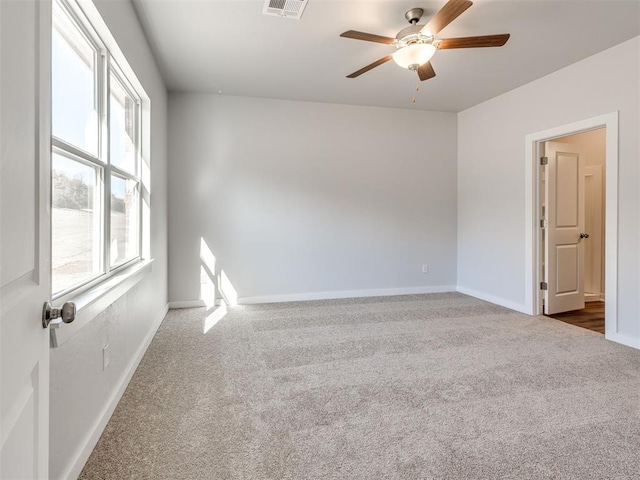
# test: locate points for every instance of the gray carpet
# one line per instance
(439, 386)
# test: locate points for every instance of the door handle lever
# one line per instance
(56, 316)
(584, 235)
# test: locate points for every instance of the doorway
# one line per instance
(572, 208)
(534, 240)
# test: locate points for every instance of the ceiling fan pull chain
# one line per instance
(413, 100)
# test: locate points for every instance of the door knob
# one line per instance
(56, 316)
(584, 235)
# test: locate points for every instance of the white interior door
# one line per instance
(564, 250)
(25, 39)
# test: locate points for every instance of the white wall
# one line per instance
(306, 200)
(80, 391)
(491, 172)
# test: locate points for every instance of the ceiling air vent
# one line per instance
(284, 8)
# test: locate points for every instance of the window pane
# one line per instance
(122, 127)
(124, 220)
(75, 118)
(76, 221)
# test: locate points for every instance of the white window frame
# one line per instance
(113, 69)
(106, 65)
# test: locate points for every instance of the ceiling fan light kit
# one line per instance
(412, 56)
(415, 45)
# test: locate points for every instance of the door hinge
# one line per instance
(544, 160)
(543, 285)
(544, 223)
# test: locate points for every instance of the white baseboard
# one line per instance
(383, 292)
(518, 307)
(187, 304)
(593, 297)
(624, 340)
(82, 455)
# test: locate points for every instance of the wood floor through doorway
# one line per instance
(591, 317)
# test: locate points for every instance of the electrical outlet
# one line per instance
(425, 268)
(105, 357)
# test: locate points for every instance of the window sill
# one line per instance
(92, 302)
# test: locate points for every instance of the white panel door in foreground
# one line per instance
(25, 276)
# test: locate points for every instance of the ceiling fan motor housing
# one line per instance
(411, 35)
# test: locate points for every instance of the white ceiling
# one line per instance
(229, 47)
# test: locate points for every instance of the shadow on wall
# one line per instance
(214, 282)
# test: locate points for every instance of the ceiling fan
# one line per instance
(417, 44)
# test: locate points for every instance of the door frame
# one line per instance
(533, 233)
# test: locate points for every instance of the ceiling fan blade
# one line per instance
(369, 67)
(474, 42)
(446, 15)
(367, 37)
(426, 71)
